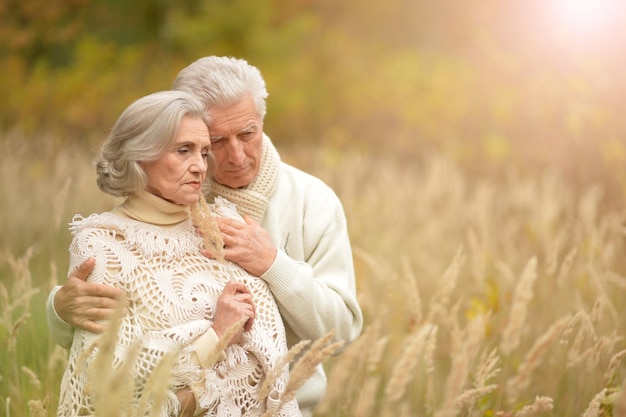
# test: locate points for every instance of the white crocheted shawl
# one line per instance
(172, 291)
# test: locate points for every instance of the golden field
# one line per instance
(493, 294)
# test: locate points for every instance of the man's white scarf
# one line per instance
(253, 198)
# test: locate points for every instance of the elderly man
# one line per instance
(295, 236)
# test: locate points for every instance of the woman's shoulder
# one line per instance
(97, 222)
(136, 236)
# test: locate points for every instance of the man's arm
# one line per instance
(80, 304)
(318, 296)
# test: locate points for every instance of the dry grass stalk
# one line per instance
(569, 329)
(519, 309)
(487, 369)
(603, 297)
(16, 302)
(274, 373)
(447, 284)
(597, 311)
(586, 332)
(470, 340)
(154, 392)
(366, 403)
(304, 368)
(429, 368)
(38, 408)
(552, 259)
(468, 398)
(609, 375)
(411, 291)
(344, 375)
(113, 390)
(605, 345)
(223, 341)
(57, 359)
(541, 405)
(593, 354)
(593, 410)
(566, 267)
(520, 382)
(202, 217)
(615, 279)
(404, 369)
(32, 376)
(116, 394)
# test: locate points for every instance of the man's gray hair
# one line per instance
(220, 81)
(143, 133)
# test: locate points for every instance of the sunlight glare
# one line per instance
(578, 18)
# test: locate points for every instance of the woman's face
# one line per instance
(179, 174)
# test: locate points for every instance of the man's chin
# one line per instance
(234, 182)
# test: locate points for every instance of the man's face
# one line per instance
(236, 140)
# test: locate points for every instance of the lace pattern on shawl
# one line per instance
(172, 291)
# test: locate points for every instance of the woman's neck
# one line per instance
(149, 208)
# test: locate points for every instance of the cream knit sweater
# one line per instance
(149, 248)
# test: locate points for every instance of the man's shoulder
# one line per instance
(299, 185)
(301, 178)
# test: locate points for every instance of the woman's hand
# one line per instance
(234, 304)
(187, 402)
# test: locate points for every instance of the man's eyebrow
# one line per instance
(251, 127)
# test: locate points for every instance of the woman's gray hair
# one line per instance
(219, 81)
(143, 133)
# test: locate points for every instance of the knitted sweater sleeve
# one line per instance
(60, 331)
(317, 294)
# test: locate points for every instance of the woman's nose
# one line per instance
(199, 163)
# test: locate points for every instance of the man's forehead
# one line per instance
(234, 128)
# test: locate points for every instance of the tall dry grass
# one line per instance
(482, 296)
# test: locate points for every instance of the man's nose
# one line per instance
(234, 151)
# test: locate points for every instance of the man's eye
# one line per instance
(183, 150)
(245, 136)
(215, 141)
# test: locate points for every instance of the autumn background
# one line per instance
(479, 149)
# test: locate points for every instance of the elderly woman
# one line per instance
(178, 301)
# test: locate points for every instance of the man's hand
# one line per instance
(247, 244)
(81, 303)
(233, 304)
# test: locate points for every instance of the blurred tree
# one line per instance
(40, 29)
